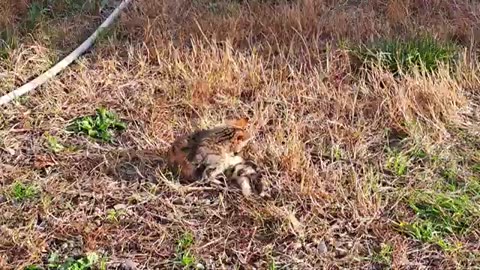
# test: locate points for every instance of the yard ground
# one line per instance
(373, 162)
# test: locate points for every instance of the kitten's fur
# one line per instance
(247, 175)
(207, 153)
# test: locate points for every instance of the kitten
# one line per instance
(245, 174)
(206, 154)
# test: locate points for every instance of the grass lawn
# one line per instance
(366, 117)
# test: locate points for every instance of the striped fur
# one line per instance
(248, 177)
(206, 154)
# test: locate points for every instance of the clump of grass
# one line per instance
(402, 56)
(40, 11)
(8, 42)
(184, 256)
(114, 215)
(21, 192)
(384, 255)
(36, 13)
(476, 168)
(71, 7)
(472, 188)
(76, 5)
(452, 211)
(398, 163)
(449, 174)
(32, 267)
(427, 232)
(439, 215)
(53, 144)
(272, 265)
(418, 154)
(84, 263)
(100, 126)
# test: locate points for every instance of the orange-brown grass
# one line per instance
(323, 130)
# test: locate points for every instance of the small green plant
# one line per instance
(401, 56)
(186, 241)
(114, 215)
(184, 256)
(187, 260)
(418, 153)
(22, 192)
(100, 126)
(336, 152)
(53, 144)
(384, 256)
(85, 263)
(214, 7)
(398, 163)
(272, 265)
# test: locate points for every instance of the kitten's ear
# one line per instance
(238, 123)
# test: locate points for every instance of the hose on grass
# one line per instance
(52, 72)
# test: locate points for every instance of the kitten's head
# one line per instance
(241, 137)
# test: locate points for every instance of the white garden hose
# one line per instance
(66, 61)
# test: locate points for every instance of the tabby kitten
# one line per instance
(247, 175)
(206, 154)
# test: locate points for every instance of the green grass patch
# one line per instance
(398, 163)
(37, 12)
(439, 215)
(8, 42)
(53, 144)
(55, 8)
(449, 174)
(402, 56)
(41, 11)
(100, 126)
(402, 157)
(384, 255)
(472, 189)
(72, 7)
(184, 256)
(272, 265)
(476, 168)
(114, 215)
(22, 192)
(87, 262)
(32, 267)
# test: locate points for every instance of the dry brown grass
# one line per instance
(322, 129)
(10, 12)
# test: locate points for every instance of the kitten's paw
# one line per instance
(207, 174)
(244, 184)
